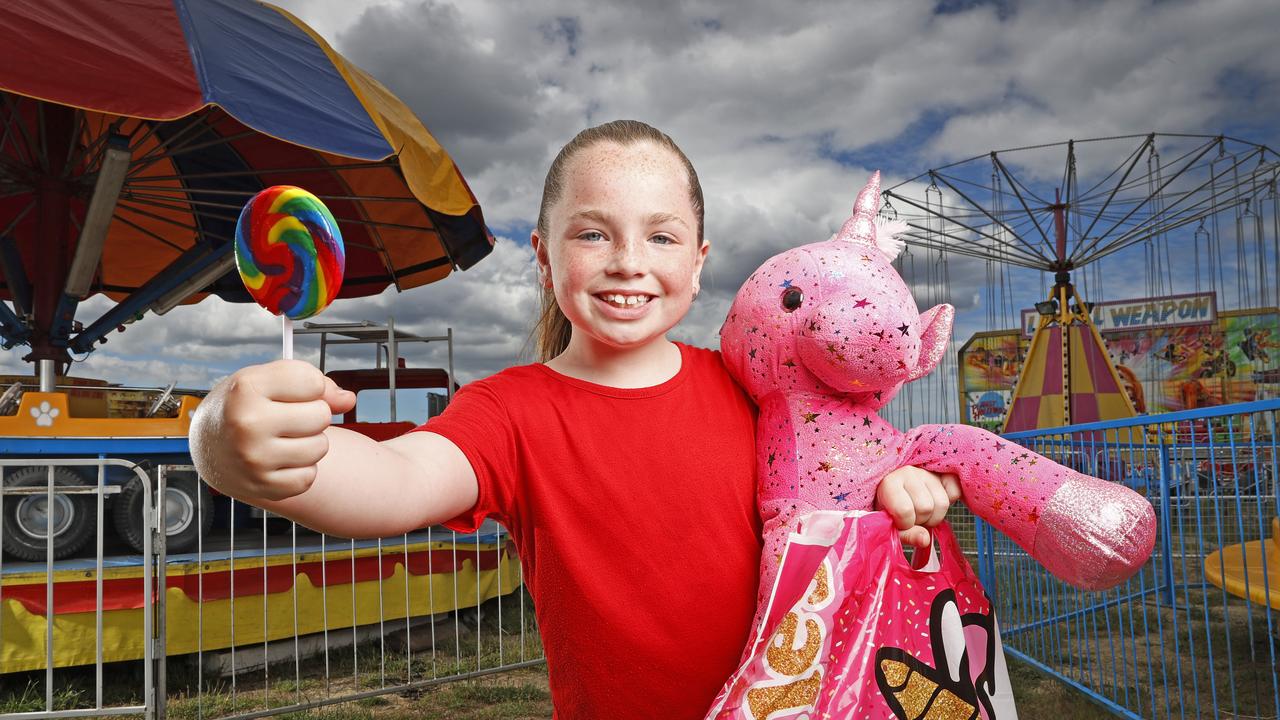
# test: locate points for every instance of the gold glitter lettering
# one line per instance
(822, 586)
(781, 654)
(764, 701)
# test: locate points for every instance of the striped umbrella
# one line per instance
(134, 130)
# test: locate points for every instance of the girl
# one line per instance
(623, 464)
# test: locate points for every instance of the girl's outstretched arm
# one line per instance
(263, 436)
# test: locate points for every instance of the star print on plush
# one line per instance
(815, 455)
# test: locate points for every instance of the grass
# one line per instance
(1123, 652)
(1209, 650)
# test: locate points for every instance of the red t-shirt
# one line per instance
(635, 514)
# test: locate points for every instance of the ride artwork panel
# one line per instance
(1235, 358)
(989, 366)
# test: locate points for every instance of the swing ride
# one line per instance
(1187, 225)
(1182, 314)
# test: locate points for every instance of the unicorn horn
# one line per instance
(861, 227)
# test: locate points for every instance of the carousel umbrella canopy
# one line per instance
(133, 131)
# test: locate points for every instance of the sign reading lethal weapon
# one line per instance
(1169, 311)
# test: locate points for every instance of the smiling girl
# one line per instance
(623, 464)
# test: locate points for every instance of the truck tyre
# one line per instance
(183, 495)
(26, 518)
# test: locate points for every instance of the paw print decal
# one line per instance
(44, 414)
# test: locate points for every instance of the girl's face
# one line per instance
(622, 253)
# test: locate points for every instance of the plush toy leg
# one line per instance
(1089, 532)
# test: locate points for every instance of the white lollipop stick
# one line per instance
(286, 327)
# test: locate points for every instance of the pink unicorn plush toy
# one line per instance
(822, 336)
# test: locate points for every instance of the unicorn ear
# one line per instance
(887, 239)
(935, 334)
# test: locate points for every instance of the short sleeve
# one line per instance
(476, 421)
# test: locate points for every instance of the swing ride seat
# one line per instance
(1250, 569)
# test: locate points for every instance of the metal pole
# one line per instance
(393, 360)
(449, 384)
(160, 545)
(47, 375)
(1166, 522)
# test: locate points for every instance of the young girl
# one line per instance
(623, 464)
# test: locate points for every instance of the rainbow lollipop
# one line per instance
(289, 254)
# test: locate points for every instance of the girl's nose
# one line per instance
(627, 257)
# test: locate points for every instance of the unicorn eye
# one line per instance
(792, 298)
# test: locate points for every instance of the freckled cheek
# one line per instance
(571, 272)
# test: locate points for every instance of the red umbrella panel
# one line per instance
(133, 133)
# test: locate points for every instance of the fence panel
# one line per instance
(258, 617)
(57, 614)
(1194, 633)
(271, 618)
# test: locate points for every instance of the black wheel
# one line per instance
(27, 518)
(183, 494)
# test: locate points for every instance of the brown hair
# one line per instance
(551, 333)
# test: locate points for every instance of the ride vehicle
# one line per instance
(84, 418)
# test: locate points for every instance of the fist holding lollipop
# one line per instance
(260, 433)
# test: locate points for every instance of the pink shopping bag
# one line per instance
(853, 631)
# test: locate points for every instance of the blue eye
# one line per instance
(662, 239)
(591, 235)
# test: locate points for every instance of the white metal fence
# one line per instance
(259, 617)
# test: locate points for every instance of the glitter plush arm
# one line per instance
(1089, 532)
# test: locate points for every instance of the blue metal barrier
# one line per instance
(1196, 632)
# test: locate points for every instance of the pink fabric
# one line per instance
(820, 369)
(860, 634)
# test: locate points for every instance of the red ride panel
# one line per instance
(126, 593)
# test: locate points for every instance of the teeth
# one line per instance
(625, 300)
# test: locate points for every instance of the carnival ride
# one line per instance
(1190, 214)
(124, 179)
(128, 184)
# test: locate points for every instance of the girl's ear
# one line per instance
(540, 257)
(703, 249)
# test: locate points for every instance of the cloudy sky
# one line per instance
(784, 108)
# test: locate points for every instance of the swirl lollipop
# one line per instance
(289, 253)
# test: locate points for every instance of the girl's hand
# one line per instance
(917, 499)
(259, 433)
